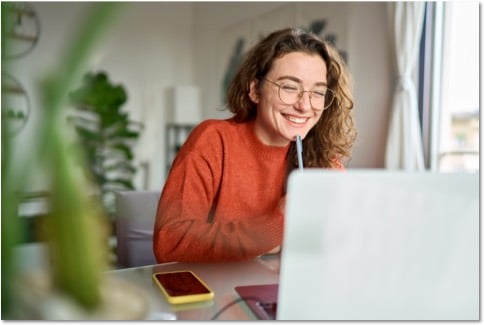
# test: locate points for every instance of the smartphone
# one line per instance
(181, 287)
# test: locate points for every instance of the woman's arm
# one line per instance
(215, 208)
(183, 232)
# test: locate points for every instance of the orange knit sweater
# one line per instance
(221, 199)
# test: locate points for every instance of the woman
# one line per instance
(224, 197)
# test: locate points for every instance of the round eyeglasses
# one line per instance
(290, 92)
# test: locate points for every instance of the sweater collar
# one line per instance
(266, 151)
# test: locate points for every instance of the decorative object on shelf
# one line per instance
(182, 115)
(15, 105)
(106, 134)
(175, 136)
(24, 30)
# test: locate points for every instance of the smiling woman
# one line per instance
(280, 119)
(224, 197)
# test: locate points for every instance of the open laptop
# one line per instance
(376, 245)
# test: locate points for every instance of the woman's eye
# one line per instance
(290, 88)
(319, 93)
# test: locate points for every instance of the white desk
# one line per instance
(220, 277)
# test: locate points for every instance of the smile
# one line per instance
(295, 119)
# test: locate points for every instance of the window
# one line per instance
(449, 86)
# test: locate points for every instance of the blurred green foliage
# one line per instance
(106, 134)
(75, 223)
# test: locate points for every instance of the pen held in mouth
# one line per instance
(299, 152)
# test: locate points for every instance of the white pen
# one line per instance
(299, 152)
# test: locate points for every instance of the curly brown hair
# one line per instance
(329, 142)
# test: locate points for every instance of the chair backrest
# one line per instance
(134, 219)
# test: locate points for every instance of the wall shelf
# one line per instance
(175, 136)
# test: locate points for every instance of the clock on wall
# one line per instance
(15, 105)
(22, 31)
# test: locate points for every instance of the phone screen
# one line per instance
(181, 284)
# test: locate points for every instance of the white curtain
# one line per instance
(404, 144)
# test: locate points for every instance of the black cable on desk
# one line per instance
(230, 304)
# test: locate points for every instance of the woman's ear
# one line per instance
(254, 91)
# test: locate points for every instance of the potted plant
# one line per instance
(106, 134)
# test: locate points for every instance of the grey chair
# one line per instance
(135, 213)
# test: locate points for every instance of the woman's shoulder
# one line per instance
(212, 131)
(216, 128)
(216, 124)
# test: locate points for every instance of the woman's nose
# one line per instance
(304, 102)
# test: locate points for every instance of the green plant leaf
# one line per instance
(122, 184)
(120, 166)
(105, 131)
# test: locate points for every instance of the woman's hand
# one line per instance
(275, 250)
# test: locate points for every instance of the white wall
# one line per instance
(371, 65)
(154, 46)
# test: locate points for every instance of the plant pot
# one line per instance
(38, 299)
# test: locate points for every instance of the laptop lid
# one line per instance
(380, 245)
(261, 299)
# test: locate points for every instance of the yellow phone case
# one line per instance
(188, 298)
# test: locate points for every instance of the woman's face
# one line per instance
(277, 123)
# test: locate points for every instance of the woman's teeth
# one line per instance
(294, 119)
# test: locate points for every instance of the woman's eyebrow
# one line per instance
(300, 81)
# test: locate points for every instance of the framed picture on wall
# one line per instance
(232, 46)
(328, 20)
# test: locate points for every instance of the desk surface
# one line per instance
(220, 277)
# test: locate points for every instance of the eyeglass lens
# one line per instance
(291, 92)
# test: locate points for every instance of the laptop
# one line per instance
(376, 245)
